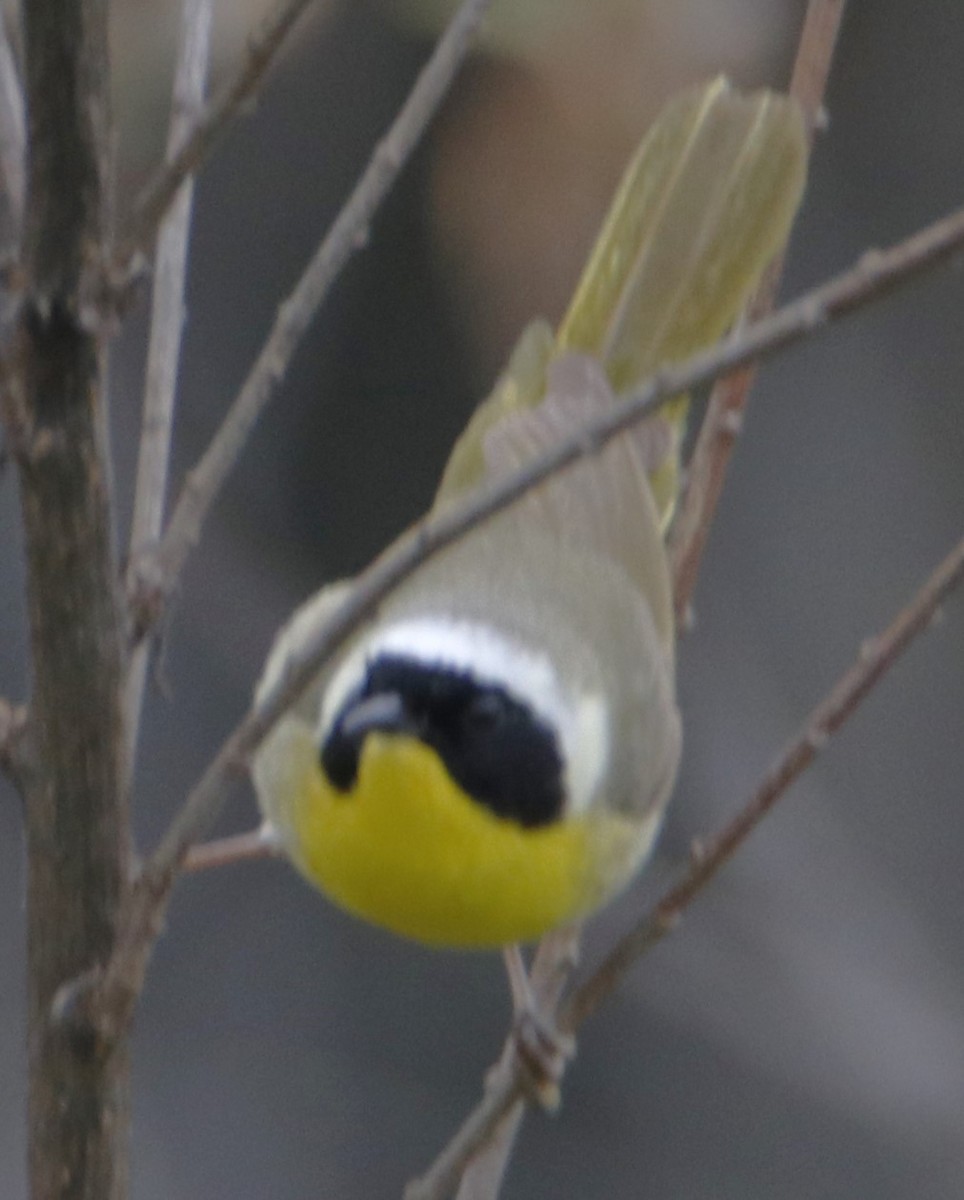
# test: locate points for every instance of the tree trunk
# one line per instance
(76, 813)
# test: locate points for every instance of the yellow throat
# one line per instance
(407, 849)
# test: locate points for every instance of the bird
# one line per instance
(490, 757)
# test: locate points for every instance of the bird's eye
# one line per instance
(485, 710)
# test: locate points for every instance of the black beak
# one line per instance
(384, 712)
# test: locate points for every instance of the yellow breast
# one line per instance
(408, 850)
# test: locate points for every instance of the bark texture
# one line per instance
(77, 835)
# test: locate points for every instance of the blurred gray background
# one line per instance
(802, 1035)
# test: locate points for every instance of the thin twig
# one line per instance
(483, 1174)
(240, 847)
(876, 658)
(167, 325)
(875, 274)
(13, 132)
(724, 414)
(505, 1089)
(555, 959)
(159, 573)
(811, 70)
(158, 194)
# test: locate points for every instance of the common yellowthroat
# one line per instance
(491, 757)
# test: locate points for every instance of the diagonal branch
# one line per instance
(876, 658)
(159, 192)
(724, 414)
(874, 274)
(505, 1090)
(811, 69)
(158, 573)
(167, 327)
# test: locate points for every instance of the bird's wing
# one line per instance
(604, 504)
